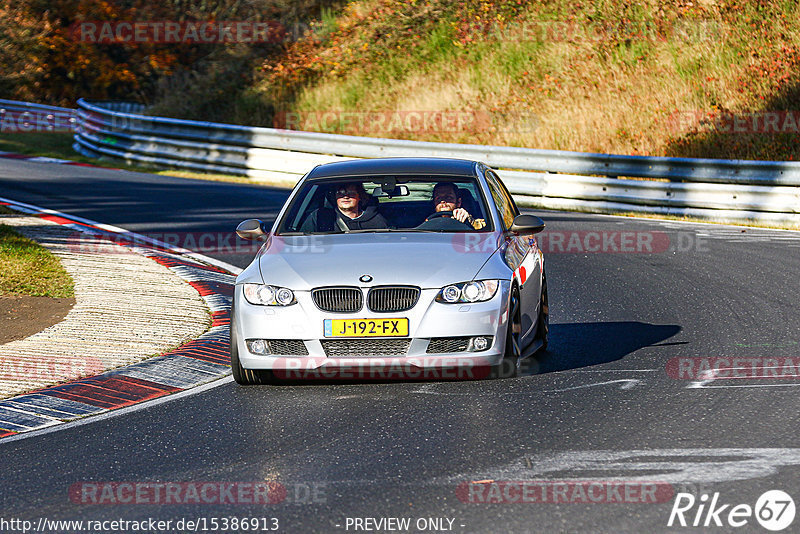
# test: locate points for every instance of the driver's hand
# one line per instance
(460, 214)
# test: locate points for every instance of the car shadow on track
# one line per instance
(575, 345)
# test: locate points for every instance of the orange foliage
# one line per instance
(42, 57)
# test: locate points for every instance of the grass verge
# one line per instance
(28, 268)
(686, 218)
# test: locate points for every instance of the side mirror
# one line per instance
(526, 224)
(251, 229)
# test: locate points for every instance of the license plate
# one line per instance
(391, 327)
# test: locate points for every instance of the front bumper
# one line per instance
(428, 319)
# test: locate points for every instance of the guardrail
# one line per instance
(16, 116)
(721, 190)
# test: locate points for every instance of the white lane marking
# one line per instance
(705, 377)
(793, 375)
(675, 466)
(617, 371)
(709, 376)
(136, 237)
(44, 159)
(627, 383)
(89, 419)
(703, 386)
(428, 389)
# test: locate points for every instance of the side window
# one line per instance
(511, 202)
(307, 200)
(505, 204)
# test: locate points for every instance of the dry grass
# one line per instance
(684, 218)
(575, 102)
(609, 77)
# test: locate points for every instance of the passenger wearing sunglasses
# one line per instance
(352, 212)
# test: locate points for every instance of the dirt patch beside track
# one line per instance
(23, 315)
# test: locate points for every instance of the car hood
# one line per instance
(428, 260)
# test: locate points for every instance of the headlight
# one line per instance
(451, 293)
(284, 296)
(475, 291)
(264, 295)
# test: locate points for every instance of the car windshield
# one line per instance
(387, 203)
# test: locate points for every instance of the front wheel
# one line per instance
(509, 367)
(543, 322)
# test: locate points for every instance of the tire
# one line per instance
(509, 367)
(543, 321)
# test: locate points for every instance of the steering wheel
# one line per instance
(440, 214)
(455, 224)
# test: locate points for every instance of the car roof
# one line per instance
(396, 166)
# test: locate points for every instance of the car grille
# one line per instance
(338, 299)
(439, 345)
(392, 298)
(366, 347)
(287, 347)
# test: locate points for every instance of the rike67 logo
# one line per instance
(774, 510)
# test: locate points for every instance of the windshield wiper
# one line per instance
(374, 231)
(377, 230)
(381, 230)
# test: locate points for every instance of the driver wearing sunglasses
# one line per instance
(352, 212)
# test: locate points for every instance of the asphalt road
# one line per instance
(602, 406)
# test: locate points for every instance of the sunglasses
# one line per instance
(341, 193)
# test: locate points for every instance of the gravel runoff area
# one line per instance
(128, 308)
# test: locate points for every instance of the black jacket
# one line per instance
(324, 220)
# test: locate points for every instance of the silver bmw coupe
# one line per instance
(395, 268)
